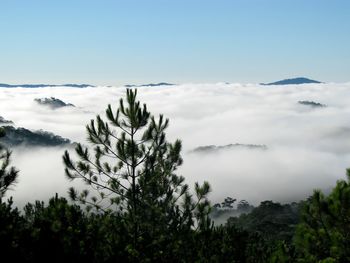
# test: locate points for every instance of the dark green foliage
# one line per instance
(8, 175)
(221, 212)
(244, 207)
(324, 232)
(272, 220)
(61, 232)
(58, 232)
(11, 228)
(273, 224)
(229, 244)
(283, 252)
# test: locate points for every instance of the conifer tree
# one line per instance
(132, 170)
(324, 232)
(8, 175)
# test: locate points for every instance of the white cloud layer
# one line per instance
(307, 147)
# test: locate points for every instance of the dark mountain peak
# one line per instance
(293, 81)
(53, 103)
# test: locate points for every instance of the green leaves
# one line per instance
(323, 234)
(8, 175)
(73, 194)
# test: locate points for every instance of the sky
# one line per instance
(184, 41)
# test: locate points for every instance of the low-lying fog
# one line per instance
(307, 147)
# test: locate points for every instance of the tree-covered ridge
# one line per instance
(23, 137)
(232, 146)
(53, 103)
(312, 104)
(272, 220)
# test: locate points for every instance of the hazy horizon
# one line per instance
(18, 84)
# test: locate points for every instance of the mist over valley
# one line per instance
(264, 144)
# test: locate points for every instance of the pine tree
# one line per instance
(324, 232)
(132, 169)
(8, 175)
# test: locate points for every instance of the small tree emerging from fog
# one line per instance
(8, 175)
(132, 169)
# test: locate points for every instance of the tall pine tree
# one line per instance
(132, 169)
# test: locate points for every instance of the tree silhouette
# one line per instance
(8, 175)
(132, 169)
(228, 203)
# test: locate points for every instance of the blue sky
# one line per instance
(119, 42)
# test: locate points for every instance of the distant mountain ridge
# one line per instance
(293, 81)
(23, 137)
(215, 148)
(150, 85)
(312, 104)
(2, 85)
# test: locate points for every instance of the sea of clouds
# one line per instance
(308, 147)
